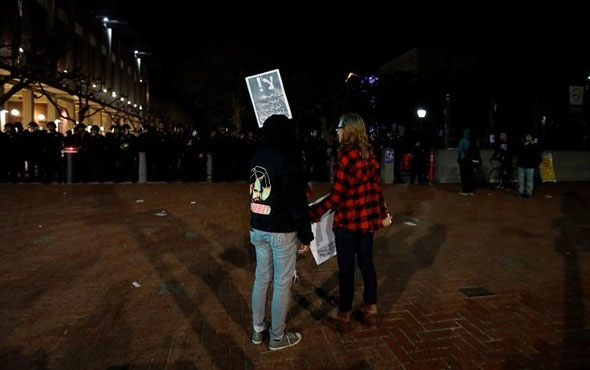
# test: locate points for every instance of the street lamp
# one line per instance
(421, 112)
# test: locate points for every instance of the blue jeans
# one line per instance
(275, 260)
(525, 180)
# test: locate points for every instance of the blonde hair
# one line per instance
(354, 134)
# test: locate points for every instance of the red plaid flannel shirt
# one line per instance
(356, 196)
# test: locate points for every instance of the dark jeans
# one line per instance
(349, 244)
(466, 172)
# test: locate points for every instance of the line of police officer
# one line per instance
(35, 155)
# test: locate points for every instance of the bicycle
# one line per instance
(497, 174)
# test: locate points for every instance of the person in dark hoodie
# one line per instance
(279, 225)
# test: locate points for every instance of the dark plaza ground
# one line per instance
(70, 256)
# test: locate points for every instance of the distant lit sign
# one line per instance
(268, 96)
(389, 155)
(576, 95)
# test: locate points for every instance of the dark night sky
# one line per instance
(528, 44)
(361, 37)
(313, 40)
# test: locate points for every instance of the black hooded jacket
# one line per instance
(278, 202)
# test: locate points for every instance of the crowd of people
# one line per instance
(34, 154)
(37, 155)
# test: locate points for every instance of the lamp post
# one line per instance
(447, 113)
(421, 113)
(586, 110)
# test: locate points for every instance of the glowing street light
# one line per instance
(421, 112)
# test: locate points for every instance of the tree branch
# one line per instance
(13, 90)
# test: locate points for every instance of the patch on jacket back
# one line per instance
(259, 184)
(261, 209)
(260, 188)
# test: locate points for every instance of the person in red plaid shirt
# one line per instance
(357, 200)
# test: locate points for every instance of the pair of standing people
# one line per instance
(528, 158)
(280, 220)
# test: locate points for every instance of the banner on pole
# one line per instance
(576, 95)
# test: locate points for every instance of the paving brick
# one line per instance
(435, 343)
(471, 341)
(437, 334)
(400, 353)
(385, 353)
(474, 331)
(426, 365)
(371, 333)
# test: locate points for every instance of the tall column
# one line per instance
(28, 107)
(2, 114)
(107, 121)
(52, 113)
(94, 119)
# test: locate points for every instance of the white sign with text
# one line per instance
(323, 245)
(268, 95)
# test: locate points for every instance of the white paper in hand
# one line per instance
(323, 245)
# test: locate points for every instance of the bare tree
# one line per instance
(90, 99)
(25, 68)
(27, 59)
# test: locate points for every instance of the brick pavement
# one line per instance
(71, 253)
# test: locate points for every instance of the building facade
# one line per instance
(69, 61)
